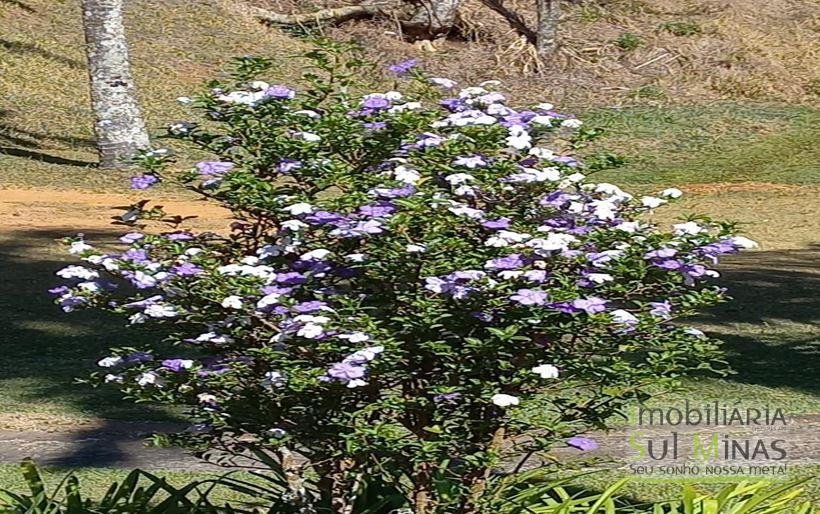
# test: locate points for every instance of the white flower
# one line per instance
(77, 272)
(294, 225)
(259, 84)
(159, 310)
(148, 378)
(274, 379)
(310, 137)
(552, 242)
(572, 123)
(409, 106)
(414, 248)
(406, 175)
(623, 317)
(628, 226)
(355, 337)
(117, 379)
(79, 247)
(519, 138)
(652, 202)
(309, 113)
(694, 332)
(467, 211)
(310, 331)
(110, 362)
(299, 208)
(184, 100)
(206, 398)
(268, 300)
(542, 153)
(355, 257)
(232, 302)
(458, 178)
(600, 278)
(318, 254)
(542, 120)
(468, 92)
(356, 382)
(546, 371)
(393, 96)
(504, 238)
(504, 400)
(744, 242)
(443, 82)
(690, 227)
(545, 106)
(672, 192)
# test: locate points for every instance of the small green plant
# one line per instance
(629, 41)
(139, 493)
(682, 28)
(741, 498)
(649, 91)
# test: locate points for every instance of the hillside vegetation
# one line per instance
(649, 71)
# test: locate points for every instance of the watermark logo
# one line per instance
(712, 439)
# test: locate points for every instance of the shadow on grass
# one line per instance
(44, 349)
(776, 302)
(22, 48)
(20, 5)
(44, 157)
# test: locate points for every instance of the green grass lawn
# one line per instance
(725, 142)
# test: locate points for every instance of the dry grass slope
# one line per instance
(618, 51)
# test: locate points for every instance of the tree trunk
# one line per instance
(548, 13)
(432, 18)
(118, 124)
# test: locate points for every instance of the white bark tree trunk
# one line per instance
(118, 124)
(548, 14)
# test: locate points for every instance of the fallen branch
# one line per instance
(335, 15)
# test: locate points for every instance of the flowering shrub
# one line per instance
(413, 281)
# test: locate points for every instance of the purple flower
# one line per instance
(131, 237)
(321, 217)
(590, 305)
(582, 443)
(177, 365)
(376, 102)
(312, 306)
(186, 269)
(399, 192)
(566, 160)
(530, 297)
(345, 371)
(290, 279)
(378, 210)
(453, 104)
(564, 307)
(280, 92)
(403, 67)
(661, 253)
(536, 275)
(661, 309)
(556, 199)
(375, 125)
(136, 255)
(59, 290)
(497, 224)
(179, 236)
(143, 181)
(447, 397)
(288, 165)
(669, 264)
(512, 261)
(210, 168)
(138, 357)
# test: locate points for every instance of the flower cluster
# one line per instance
(408, 273)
